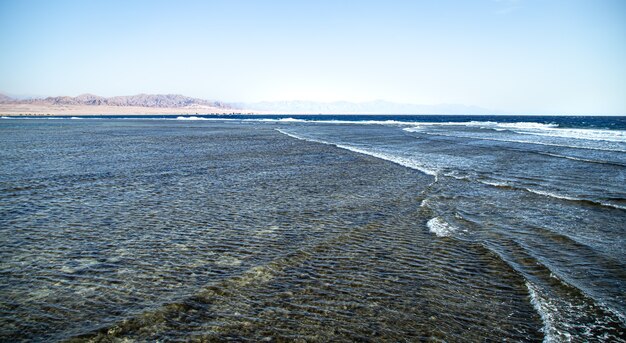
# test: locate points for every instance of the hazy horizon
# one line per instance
(505, 56)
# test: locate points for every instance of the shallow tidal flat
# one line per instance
(152, 230)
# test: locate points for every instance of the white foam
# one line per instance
(547, 311)
(552, 195)
(489, 125)
(415, 125)
(526, 125)
(290, 120)
(440, 227)
(281, 120)
(588, 134)
(191, 118)
(405, 162)
(613, 205)
(575, 146)
(315, 121)
(424, 203)
(564, 197)
(494, 184)
(458, 177)
(302, 138)
(537, 129)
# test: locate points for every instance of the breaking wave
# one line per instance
(440, 227)
(191, 118)
(405, 162)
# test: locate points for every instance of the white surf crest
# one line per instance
(548, 313)
(403, 161)
(191, 118)
(440, 227)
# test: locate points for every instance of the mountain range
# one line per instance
(140, 100)
(181, 103)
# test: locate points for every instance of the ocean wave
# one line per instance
(548, 313)
(440, 227)
(537, 129)
(560, 316)
(405, 162)
(568, 198)
(281, 120)
(496, 184)
(527, 125)
(581, 159)
(317, 121)
(606, 204)
(302, 138)
(573, 146)
(552, 195)
(413, 124)
(618, 136)
(191, 118)
(458, 177)
(490, 124)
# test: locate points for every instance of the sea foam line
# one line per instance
(317, 121)
(547, 314)
(549, 194)
(417, 130)
(491, 125)
(198, 118)
(564, 197)
(405, 162)
(588, 134)
(552, 195)
(540, 129)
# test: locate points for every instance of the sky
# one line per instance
(510, 56)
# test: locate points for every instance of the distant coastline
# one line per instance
(15, 110)
(163, 104)
(89, 104)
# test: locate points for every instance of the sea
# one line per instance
(313, 228)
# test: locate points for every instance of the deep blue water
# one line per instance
(592, 122)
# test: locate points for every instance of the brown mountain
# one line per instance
(140, 100)
(5, 99)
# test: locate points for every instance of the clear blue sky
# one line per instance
(516, 56)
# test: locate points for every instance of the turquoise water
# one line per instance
(314, 228)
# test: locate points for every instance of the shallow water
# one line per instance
(246, 230)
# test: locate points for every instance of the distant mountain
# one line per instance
(4, 99)
(370, 107)
(279, 107)
(140, 100)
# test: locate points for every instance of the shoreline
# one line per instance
(38, 110)
(30, 110)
